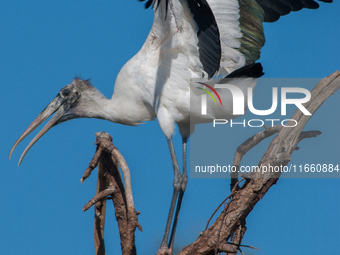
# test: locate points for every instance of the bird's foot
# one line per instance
(164, 251)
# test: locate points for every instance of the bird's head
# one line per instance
(70, 103)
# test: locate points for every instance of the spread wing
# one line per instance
(273, 9)
(207, 31)
(241, 29)
(230, 32)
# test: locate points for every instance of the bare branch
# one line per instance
(308, 134)
(227, 198)
(100, 208)
(248, 145)
(245, 198)
(109, 183)
(127, 178)
(93, 163)
(99, 196)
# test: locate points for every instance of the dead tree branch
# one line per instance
(107, 158)
(232, 218)
(100, 208)
(247, 146)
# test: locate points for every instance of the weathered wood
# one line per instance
(108, 159)
(232, 218)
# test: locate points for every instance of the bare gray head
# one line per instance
(75, 100)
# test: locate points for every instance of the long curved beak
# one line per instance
(57, 105)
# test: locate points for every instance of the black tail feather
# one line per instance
(253, 70)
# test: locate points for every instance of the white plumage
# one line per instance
(156, 81)
(189, 42)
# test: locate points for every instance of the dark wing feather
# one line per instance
(251, 18)
(275, 8)
(254, 12)
(151, 2)
(209, 43)
(254, 70)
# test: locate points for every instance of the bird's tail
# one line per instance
(254, 70)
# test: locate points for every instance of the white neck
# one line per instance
(119, 109)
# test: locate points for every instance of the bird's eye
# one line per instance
(65, 92)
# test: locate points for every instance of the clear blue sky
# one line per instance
(44, 44)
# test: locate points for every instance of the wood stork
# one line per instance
(189, 40)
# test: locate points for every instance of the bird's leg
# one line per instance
(181, 192)
(165, 249)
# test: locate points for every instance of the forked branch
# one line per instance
(108, 158)
(230, 225)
